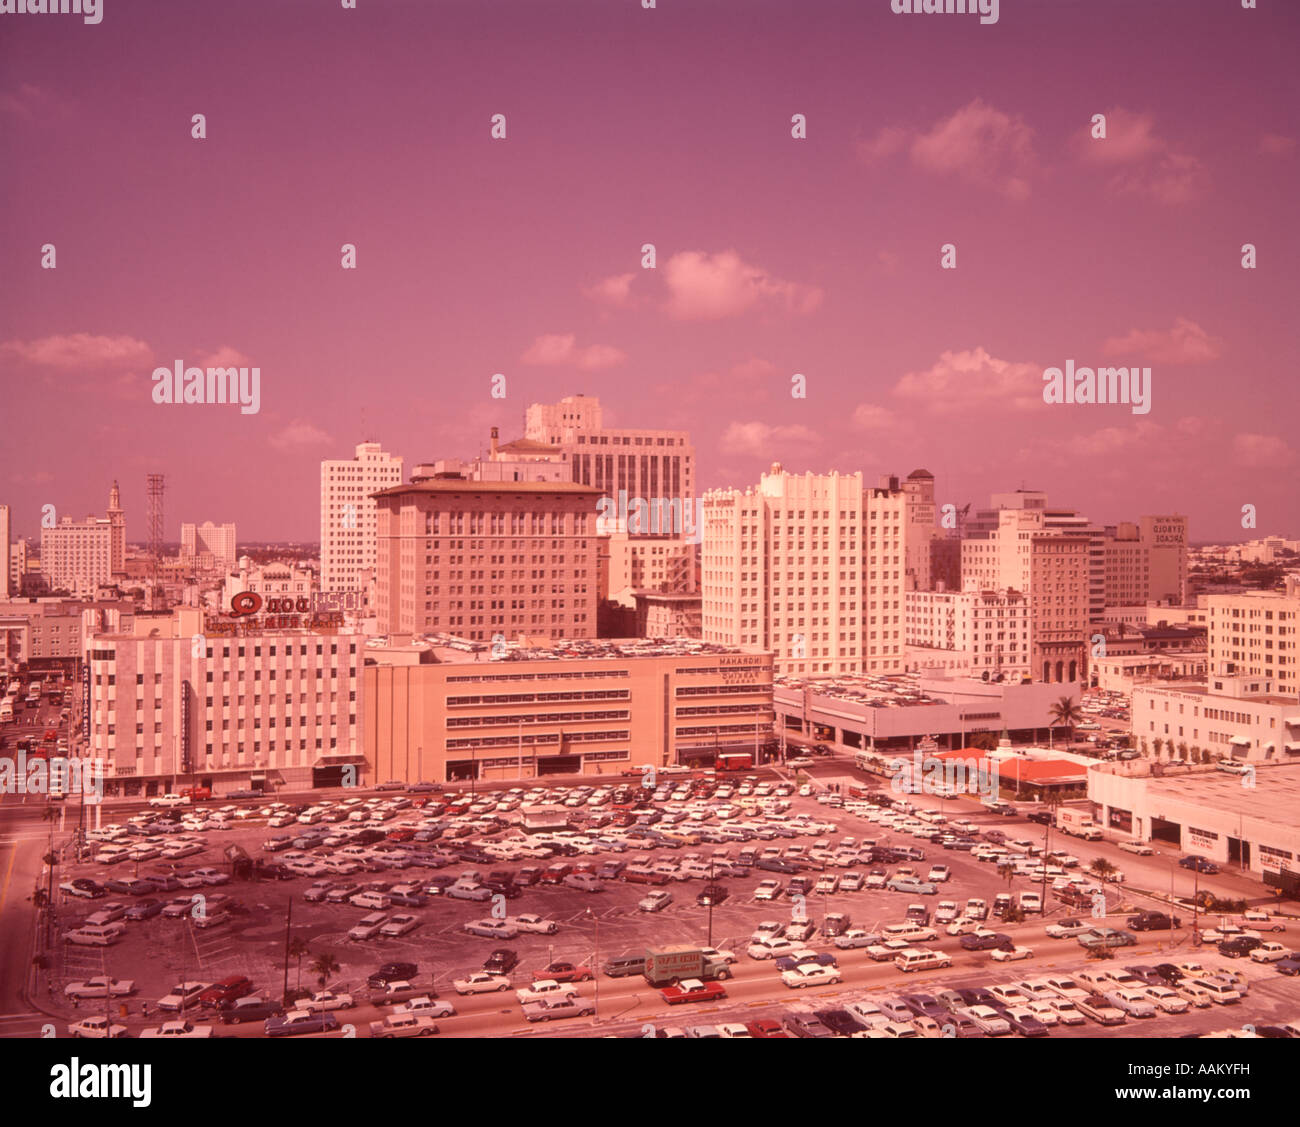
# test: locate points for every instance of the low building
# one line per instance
(572, 707)
(1124, 672)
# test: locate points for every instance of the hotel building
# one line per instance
(347, 515)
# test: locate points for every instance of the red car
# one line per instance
(693, 990)
(227, 990)
(554, 874)
(567, 972)
(51, 734)
(766, 1028)
(401, 835)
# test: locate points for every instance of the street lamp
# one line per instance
(595, 970)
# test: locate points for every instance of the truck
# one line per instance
(6, 710)
(666, 966)
(1077, 823)
(404, 1025)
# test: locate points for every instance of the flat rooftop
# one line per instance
(1275, 797)
(1201, 689)
(464, 485)
(449, 649)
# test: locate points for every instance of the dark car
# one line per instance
(166, 883)
(840, 1022)
(776, 865)
(1200, 864)
(624, 966)
(90, 888)
(240, 1010)
(1170, 973)
(807, 1025)
(409, 899)
(985, 942)
(392, 972)
(610, 870)
(800, 886)
(1148, 975)
(1241, 945)
(978, 996)
(502, 961)
(1153, 921)
(926, 1005)
(1042, 817)
(1289, 967)
(227, 990)
(269, 870)
(711, 896)
(1026, 1024)
(144, 909)
(836, 923)
(508, 889)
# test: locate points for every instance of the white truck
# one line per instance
(1077, 823)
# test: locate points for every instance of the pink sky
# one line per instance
(669, 126)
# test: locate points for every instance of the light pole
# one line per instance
(595, 970)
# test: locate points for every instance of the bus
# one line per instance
(34, 693)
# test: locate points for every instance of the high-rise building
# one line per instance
(209, 546)
(479, 559)
(78, 556)
(18, 564)
(653, 465)
(810, 567)
(987, 632)
(347, 515)
(1166, 541)
(921, 529)
(6, 583)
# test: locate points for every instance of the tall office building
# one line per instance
(5, 581)
(654, 465)
(1257, 634)
(78, 556)
(810, 567)
(922, 530)
(347, 515)
(1166, 540)
(479, 559)
(209, 545)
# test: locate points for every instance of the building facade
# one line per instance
(78, 556)
(989, 631)
(348, 515)
(210, 547)
(1258, 634)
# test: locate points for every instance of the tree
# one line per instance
(1008, 872)
(298, 949)
(1182, 750)
(1101, 953)
(1157, 745)
(983, 741)
(1066, 713)
(1102, 868)
(1145, 747)
(324, 966)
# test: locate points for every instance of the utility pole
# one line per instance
(288, 917)
(595, 971)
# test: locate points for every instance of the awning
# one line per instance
(1292, 721)
(1292, 748)
(338, 759)
(1240, 740)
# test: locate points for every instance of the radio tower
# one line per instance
(155, 497)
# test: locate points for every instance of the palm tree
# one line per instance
(298, 949)
(1065, 712)
(1144, 747)
(1102, 868)
(1007, 871)
(324, 966)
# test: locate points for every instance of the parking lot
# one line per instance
(816, 840)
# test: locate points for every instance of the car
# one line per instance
(1106, 937)
(1166, 1000)
(297, 1022)
(491, 929)
(178, 1030)
(711, 896)
(986, 1019)
(655, 902)
(693, 990)
(248, 1008)
(84, 887)
(548, 1009)
(399, 925)
(1270, 952)
(800, 930)
(100, 986)
(1067, 929)
(1153, 921)
(1012, 954)
(939, 873)
(502, 961)
(911, 884)
(768, 890)
(1137, 847)
(564, 971)
(481, 982)
(182, 995)
(1134, 1002)
(227, 990)
(985, 941)
(425, 1006)
(96, 1027)
(1199, 864)
(810, 974)
(1242, 945)
(1289, 967)
(325, 1000)
(533, 924)
(1100, 1010)
(392, 972)
(368, 926)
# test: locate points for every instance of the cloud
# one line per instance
(979, 144)
(960, 381)
(705, 287)
(885, 144)
(1275, 145)
(1185, 343)
(553, 349)
(225, 357)
(1147, 164)
(760, 438)
(869, 416)
(71, 351)
(297, 434)
(1261, 452)
(615, 290)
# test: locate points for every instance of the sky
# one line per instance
(775, 255)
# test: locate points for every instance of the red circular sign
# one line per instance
(246, 602)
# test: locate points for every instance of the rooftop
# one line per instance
(1275, 797)
(464, 485)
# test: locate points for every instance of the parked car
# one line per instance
(297, 1022)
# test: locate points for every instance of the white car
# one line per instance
(1270, 953)
(368, 926)
(177, 1030)
(533, 924)
(545, 988)
(1067, 1011)
(716, 956)
(96, 1027)
(987, 1018)
(1167, 1000)
(481, 982)
(170, 800)
(655, 902)
(768, 890)
(810, 974)
(1133, 1002)
(1141, 849)
(325, 1000)
(491, 929)
(100, 987)
(1016, 953)
(399, 925)
(425, 1006)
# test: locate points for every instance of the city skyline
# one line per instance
(523, 256)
